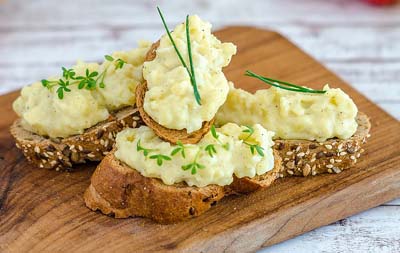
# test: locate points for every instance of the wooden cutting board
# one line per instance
(43, 211)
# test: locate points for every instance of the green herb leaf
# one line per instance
(259, 150)
(179, 148)
(214, 132)
(120, 64)
(283, 85)
(249, 130)
(109, 58)
(211, 150)
(146, 151)
(160, 158)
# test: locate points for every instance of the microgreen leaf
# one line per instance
(179, 148)
(160, 158)
(146, 151)
(109, 58)
(211, 150)
(214, 132)
(120, 64)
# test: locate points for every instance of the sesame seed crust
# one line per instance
(63, 153)
(310, 158)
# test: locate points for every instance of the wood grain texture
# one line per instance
(43, 211)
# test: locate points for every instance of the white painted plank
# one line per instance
(376, 230)
(21, 13)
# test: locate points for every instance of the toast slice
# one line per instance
(62, 153)
(118, 190)
(170, 135)
(310, 158)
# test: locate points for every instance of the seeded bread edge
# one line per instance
(120, 191)
(63, 153)
(310, 158)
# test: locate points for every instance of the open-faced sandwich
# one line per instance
(180, 164)
(316, 131)
(200, 139)
(74, 117)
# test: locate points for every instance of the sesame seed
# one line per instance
(328, 146)
(329, 166)
(17, 145)
(290, 172)
(313, 159)
(50, 153)
(336, 170)
(286, 159)
(289, 153)
(80, 148)
(343, 153)
(338, 160)
(72, 147)
(37, 149)
(290, 165)
(330, 170)
(106, 143)
(301, 154)
(298, 149)
(358, 155)
(340, 147)
(110, 136)
(314, 173)
(368, 135)
(29, 145)
(91, 155)
(332, 160)
(41, 165)
(352, 157)
(102, 142)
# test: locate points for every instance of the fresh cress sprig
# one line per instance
(190, 72)
(253, 147)
(88, 81)
(283, 85)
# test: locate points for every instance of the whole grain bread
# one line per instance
(310, 158)
(118, 190)
(62, 153)
(171, 135)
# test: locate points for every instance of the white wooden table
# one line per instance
(359, 42)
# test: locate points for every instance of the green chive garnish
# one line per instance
(191, 71)
(283, 85)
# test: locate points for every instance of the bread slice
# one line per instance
(116, 189)
(62, 153)
(171, 135)
(310, 158)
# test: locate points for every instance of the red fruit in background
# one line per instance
(381, 2)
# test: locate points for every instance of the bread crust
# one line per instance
(310, 158)
(63, 153)
(170, 135)
(116, 189)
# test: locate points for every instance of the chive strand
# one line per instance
(191, 74)
(280, 84)
(194, 84)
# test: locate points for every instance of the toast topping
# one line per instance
(83, 96)
(243, 151)
(169, 99)
(293, 115)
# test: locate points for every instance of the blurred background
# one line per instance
(357, 39)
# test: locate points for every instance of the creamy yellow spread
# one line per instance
(170, 100)
(42, 112)
(237, 160)
(292, 115)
